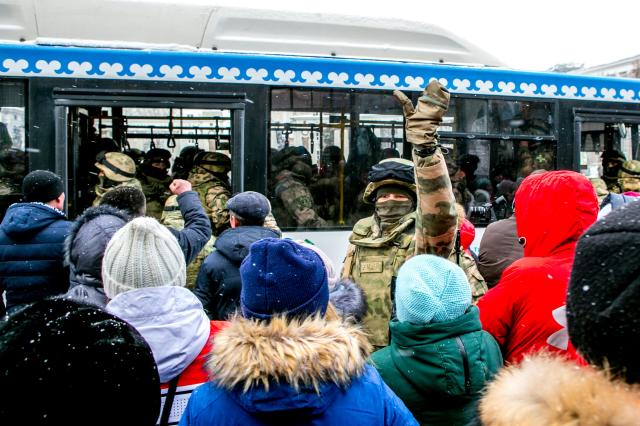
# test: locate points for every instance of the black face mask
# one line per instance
(390, 212)
(107, 183)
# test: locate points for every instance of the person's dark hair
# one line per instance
(247, 221)
(98, 363)
(127, 198)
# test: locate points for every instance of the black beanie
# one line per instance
(42, 186)
(603, 299)
(100, 365)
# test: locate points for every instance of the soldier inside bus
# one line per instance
(155, 180)
(326, 186)
(293, 205)
(116, 169)
(611, 164)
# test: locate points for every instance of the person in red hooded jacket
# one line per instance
(525, 311)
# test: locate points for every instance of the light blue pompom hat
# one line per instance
(431, 289)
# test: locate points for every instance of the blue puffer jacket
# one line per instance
(31, 253)
(296, 358)
(218, 285)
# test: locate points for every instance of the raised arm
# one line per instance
(436, 218)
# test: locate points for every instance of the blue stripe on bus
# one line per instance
(102, 63)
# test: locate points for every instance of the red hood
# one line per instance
(553, 209)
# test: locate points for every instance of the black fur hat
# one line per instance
(603, 299)
(66, 363)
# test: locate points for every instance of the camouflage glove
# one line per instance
(423, 120)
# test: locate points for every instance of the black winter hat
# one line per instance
(250, 206)
(42, 186)
(603, 299)
(98, 363)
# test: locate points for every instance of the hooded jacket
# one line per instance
(499, 248)
(425, 367)
(172, 321)
(31, 253)
(546, 390)
(310, 371)
(525, 312)
(218, 284)
(84, 248)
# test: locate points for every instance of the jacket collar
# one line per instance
(547, 390)
(406, 334)
(302, 353)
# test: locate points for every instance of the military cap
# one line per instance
(396, 172)
(116, 166)
(213, 162)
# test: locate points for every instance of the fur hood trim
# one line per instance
(300, 352)
(87, 216)
(548, 390)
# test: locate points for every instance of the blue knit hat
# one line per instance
(431, 289)
(280, 276)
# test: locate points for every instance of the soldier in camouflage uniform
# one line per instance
(629, 176)
(381, 243)
(209, 179)
(155, 180)
(116, 169)
(293, 203)
(611, 163)
(172, 218)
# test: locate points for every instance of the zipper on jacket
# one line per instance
(465, 364)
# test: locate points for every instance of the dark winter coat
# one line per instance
(197, 227)
(425, 367)
(499, 248)
(218, 284)
(31, 253)
(84, 249)
(309, 372)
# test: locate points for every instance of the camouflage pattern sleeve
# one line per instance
(436, 217)
(216, 207)
(299, 204)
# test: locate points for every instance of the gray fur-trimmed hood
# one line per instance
(349, 300)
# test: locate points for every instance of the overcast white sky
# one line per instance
(533, 35)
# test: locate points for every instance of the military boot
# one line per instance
(423, 120)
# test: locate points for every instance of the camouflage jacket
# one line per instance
(156, 191)
(172, 218)
(373, 258)
(214, 194)
(100, 191)
(294, 206)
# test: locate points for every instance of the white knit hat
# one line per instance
(142, 254)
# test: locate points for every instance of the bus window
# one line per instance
(604, 146)
(13, 154)
(520, 118)
(162, 142)
(323, 144)
(481, 170)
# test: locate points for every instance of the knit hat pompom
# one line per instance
(281, 276)
(143, 253)
(431, 289)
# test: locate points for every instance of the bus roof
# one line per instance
(196, 24)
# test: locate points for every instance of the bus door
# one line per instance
(90, 124)
(603, 141)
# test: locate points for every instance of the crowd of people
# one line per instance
(125, 319)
